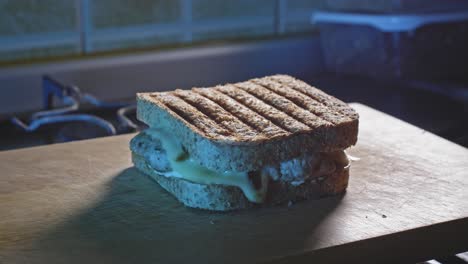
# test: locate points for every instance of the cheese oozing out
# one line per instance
(296, 171)
(183, 166)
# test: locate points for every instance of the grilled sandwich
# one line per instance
(261, 142)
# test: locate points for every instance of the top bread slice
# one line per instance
(247, 125)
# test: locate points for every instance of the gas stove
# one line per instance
(68, 115)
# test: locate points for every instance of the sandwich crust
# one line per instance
(247, 125)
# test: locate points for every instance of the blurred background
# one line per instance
(69, 70)
(32, 30)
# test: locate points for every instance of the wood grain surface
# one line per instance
(82, 202)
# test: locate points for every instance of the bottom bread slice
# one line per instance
(219, 197)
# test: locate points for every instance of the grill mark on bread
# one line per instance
(217, 114)
(301, 99)
(190, 114)
(277, 107)
(242, 112)
(333, 104)
(277, 117)
(282, 103)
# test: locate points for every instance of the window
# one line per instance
(49, 28)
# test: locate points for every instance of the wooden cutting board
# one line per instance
(82, 202)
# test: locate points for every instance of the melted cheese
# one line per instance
(185, 167)
(295, 171)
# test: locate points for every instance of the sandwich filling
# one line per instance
(173, 161)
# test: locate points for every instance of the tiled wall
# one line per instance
(298, 12)
(234, 18)
(26, 21)
(49, 28)
(121, 13)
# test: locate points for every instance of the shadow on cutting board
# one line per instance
(138, 221)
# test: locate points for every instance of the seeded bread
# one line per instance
(225, 198)
(247, 125)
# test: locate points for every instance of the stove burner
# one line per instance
(77, 125)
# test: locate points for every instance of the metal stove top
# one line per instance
(68, 115)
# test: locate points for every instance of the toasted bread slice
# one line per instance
(247, 125)
(218, 197)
